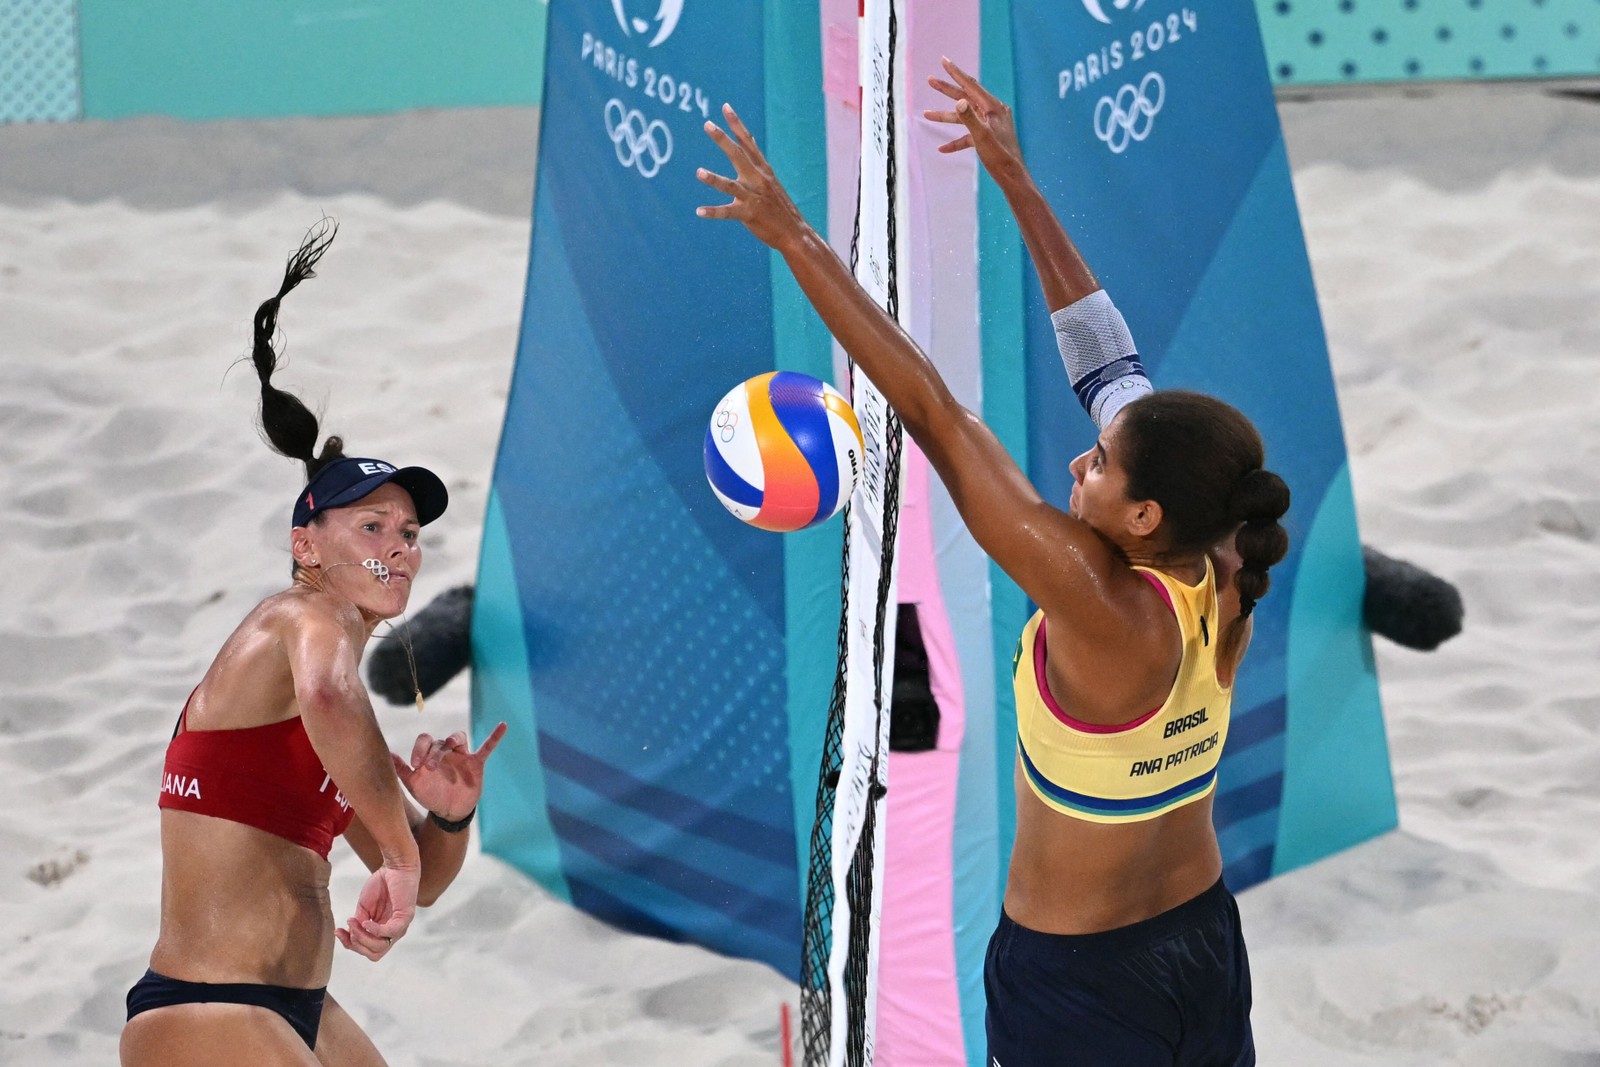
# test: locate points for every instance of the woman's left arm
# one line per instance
(445, 777)
(1096, 347)
(1058, 561)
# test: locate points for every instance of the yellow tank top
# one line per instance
(1141, 769)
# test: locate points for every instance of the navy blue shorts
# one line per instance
(1171, 991)
(300, 1008)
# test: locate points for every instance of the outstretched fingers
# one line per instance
(718, 182)
(954, 92)
(977, 123)
(732, 149)
(758, 198)
(968, 85)
(721, 184)
(747, 140)
(489, 743)
(738, 148)
(950, 118)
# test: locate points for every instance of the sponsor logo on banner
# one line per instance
(1095, 8)
(1130, 115)
(649, 101)
(643, 144)
(664, 21)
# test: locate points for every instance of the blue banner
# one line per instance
(1152, 128)
(635, 630)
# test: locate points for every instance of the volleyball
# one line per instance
(783, 451)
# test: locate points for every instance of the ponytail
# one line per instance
(1259, 500)
(288, 425)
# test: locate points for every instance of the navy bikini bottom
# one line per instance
(300, 1008)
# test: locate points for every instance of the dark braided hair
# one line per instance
(288, 425)
(1258, 502)
(1204, 463)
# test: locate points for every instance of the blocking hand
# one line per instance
(759, 199)
(986, 121)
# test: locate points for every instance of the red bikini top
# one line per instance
(268, 777)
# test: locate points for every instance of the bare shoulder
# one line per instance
(1109, 626)
(1078, 573)
(1121, 659)
(300, 609)
(1088, 584)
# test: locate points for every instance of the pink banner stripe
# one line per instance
(919, 1001)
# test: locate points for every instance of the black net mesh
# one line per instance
(816, 996)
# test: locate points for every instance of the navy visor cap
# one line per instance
(347, 480)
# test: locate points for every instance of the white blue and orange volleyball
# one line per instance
(783, 451)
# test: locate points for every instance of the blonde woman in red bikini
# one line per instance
(278, 752)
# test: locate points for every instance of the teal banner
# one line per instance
(38, 60)
(107, 59)
(1322, 42)
(201, 59)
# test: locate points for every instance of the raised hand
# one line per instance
(384, 911)
(759, 199)
(444, 775)
(989, 129)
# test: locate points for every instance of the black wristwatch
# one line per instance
(452, 827)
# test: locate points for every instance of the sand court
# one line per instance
(1455, 240)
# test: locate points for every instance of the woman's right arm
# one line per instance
(323, 644)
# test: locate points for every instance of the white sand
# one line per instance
(1454, 240)
(1456, 245)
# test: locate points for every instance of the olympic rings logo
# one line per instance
(645, 146)
(727, 423)
(1131, 114)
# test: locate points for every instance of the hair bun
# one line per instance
(1260, 496)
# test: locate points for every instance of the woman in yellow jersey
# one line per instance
(1119, 945)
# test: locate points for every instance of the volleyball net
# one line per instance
(844, 885)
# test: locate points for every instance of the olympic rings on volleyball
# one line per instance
(1131, 114)
(645, 146)
(727, 423)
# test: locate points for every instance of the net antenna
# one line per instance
(838, 971)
